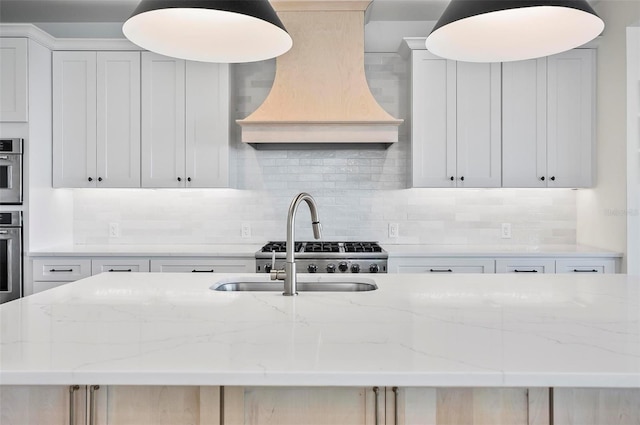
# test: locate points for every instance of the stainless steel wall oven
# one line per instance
(10, 255)
(11, 171)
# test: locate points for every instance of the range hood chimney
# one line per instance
(320, 93)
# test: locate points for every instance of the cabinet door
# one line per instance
(524, 123)
(119, 265)
(153, 405)
(163, 125)
(525, 265)
(207, 124)
(13, 80)
(74, 119)
(433, 122)
(570, 91)
(118, 119)
(478, 124)
(308, 406)
(582, 406)
(37, 405)
(472, 406)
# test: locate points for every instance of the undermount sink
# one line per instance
(321, 284)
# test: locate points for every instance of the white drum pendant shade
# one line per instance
(225, 31)
(511, 30)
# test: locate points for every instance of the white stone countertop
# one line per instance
(415, 330)
(249, 250)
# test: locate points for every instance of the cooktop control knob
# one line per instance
(267, 268)
(374, 268)
(343, 266)
(312, 268)
(331, 268)
(355, 268)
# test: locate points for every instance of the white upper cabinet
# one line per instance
(96, 119)
(185, 123)
(548, 119)
(524, 123)
(571, 111)
(74, 119)
(455, 122)
(118, 159)
(478, 124)
(13, 80)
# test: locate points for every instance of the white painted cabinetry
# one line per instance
(96, 119)
(13, 80)
(203, 265)
(455, 122)
(185, 123)
(547, 121)
(441, 265)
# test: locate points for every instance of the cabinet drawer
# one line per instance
(61, 269)
(525, 265)
(119, 265)
(40, 286)
(204, 266)
(442, 265)
(586, 266)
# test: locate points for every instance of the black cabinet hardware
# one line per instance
(585, 271)
(60, 270)
(99, 179)
(462, 178)
(542, 178)
(553, 178)
(179, 179)
(525, 271)
(119, 271)
(188, 179)
(90, 179)
(201, 271)
(452, 178)
(440, 270)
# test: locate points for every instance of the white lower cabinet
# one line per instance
(118, 265)
(51, 272)
(204, 265)
(109, 405)
(525, 265)
(587, 266)
(441, 265)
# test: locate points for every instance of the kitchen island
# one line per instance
(476, 335)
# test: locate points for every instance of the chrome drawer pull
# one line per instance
(92, 403)
(72, 404)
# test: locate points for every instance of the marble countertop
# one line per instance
(415, 330)
(249, 250)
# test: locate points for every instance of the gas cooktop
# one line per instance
(326, 257)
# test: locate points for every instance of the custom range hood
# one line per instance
(320, 93)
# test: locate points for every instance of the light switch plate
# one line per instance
(114, 230)
(505, 232)
(246, 230)
(394, 230)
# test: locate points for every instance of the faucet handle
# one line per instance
(277, 274)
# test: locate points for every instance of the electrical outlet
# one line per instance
(246, 230)
(505, 232)
(394, 230)
(114, 230)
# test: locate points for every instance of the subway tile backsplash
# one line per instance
(359, 191)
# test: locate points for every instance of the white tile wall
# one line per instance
(359, 191)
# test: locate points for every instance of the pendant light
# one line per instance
(226, 31)
(510, 30)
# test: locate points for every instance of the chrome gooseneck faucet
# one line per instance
(289, 273)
